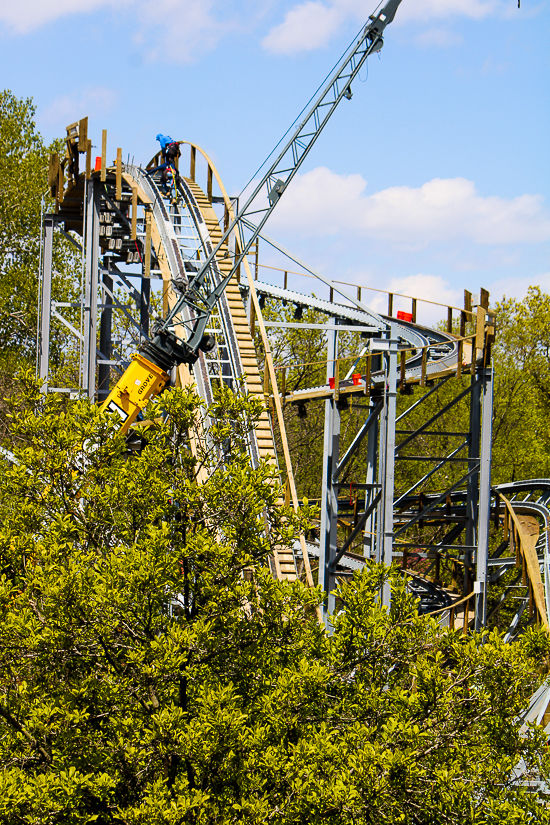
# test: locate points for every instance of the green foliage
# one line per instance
(522, 388)
(24, 195)
(152, 670)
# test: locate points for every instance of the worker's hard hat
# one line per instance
(158, 137)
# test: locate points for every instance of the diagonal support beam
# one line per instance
(438, 500)
(438, 414)
(357, 440)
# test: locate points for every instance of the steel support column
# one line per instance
(105, 344)
(387, 452)
(370, 492)
(484, 499)
(46, 303)
(329, 493)
(472, 494)
(90, 289)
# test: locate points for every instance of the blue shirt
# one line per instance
(164, 140)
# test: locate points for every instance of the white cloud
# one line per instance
(168, 30)
(91, 101)
(322, 202)
(307, 26)
(311, 24)
(26, 15)
(179, 30)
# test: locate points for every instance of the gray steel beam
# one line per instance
(370, 523)
(105, 345)
(46, 303)
(385, 553)
(484, 515)
(329, 491)
(472, 497)
(90, 289)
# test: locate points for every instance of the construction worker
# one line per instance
(170, 149)
(167, 177)
(170, 152)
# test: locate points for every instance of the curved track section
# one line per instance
(183, 233)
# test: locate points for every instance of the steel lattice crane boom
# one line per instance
(147, 374)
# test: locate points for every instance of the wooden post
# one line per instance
(119, 174)
(266, 382)
(467, 301)
(358, 293)
(148, 243)
(459, 359)
(484, 298)
(103, 154)
(466, 616)
(134, 212)
(424, 366)
(192, 163)
(283, 384)
(506, 525)
(449, 319)
(83, 135)
(480, 328)
(285, 280)
(287, 492)
(89, 160)
(209, 184)
(237, 253)
(331, 295)
(367, 374)
(390, 305)
(60, 184)
(253, 323)
(414, 310)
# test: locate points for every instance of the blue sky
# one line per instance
(432, 179)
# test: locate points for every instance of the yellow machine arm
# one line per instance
(142, 380)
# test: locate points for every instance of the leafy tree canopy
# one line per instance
(24, 195)
(153, 672)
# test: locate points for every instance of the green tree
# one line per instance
(152, 670)
(522, 388)
(24, 196)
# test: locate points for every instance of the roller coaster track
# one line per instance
(185, 233)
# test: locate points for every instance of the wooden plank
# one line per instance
(103, 154)
(134, 212)
(133, 185)
(480, 328)
(119, 174)
(147, 272)
(83, 135)
(89, 160)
